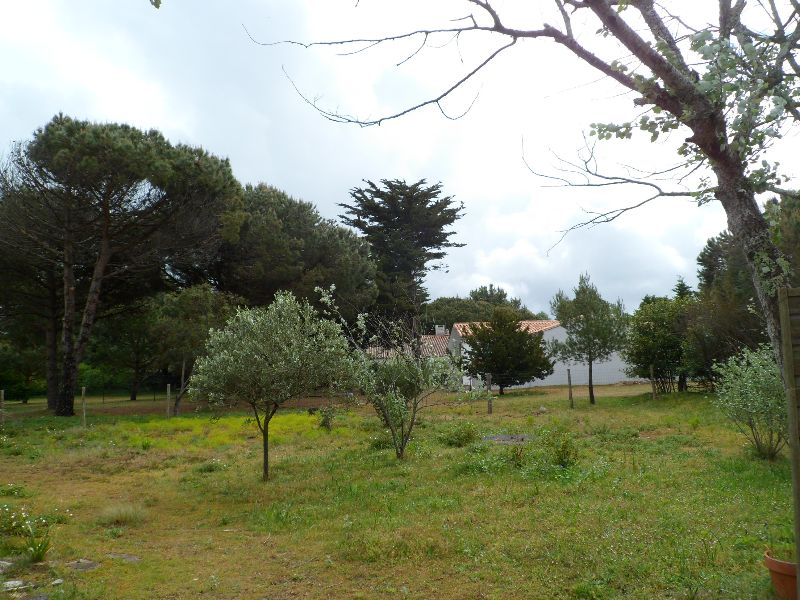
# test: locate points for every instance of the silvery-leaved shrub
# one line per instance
(751, 394)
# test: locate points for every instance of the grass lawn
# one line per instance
(658, 500)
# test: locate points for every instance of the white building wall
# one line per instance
(608, 372)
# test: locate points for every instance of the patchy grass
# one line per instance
(627, 499)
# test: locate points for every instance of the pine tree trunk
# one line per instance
(75, 349)
(591, 383)
(135, 383)
(65, 405)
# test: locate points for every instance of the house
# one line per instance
(610, 371)
(431, 346)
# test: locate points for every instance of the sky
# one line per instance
(193, 71)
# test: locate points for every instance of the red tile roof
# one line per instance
(434, 345)
(529, 326)
(430, 346)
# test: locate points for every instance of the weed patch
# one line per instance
(459, 434)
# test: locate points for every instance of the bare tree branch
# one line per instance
(340, 118)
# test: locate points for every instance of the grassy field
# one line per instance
(627, 499)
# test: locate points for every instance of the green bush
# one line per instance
(326, 416)
(751, 394)
(459, 435)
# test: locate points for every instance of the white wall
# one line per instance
(608, 372)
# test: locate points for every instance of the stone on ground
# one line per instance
(83, 564)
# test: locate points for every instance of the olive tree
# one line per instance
(750, 393)
(393, 372)
(398, 387)
(264, 357)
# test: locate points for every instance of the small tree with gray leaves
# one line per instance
(394, 376)
(265, 357)
(399, 386)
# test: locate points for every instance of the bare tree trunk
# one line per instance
(591, 383)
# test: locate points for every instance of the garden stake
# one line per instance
(569, 384)
(789, 306)
(489, 387)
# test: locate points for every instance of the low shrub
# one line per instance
(326, 415)
(17, 523)
(750, 392)
(559, 446)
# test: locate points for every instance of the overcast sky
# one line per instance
(191, 71)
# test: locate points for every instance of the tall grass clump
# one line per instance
(121, 515)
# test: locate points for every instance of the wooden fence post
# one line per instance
(569, 384)
(789, 306)
(653, 381)
(83, 406)
(489, 388)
